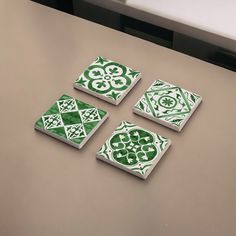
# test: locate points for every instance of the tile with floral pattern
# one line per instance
(71, 121)
(167, 104)
(133, 149)
(107, 80)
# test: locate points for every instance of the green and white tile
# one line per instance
(107, 80)
(71, 121)
(133, 149)
(167, 104)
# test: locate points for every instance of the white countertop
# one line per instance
(208, 20)
(214, 16)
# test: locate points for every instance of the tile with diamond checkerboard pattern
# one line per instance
(71, 121)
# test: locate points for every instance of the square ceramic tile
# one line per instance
(167, 104)
(133, 149)
(107, 80)
(71, 121)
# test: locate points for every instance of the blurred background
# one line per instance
(196, 29)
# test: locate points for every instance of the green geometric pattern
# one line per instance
(168, 103)
(133, 148)
(107, 79)
(70, 119)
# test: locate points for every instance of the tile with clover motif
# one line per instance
(134, 149)
(167, 104)
(71, 121)
(107, 80)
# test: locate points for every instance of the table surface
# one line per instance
(49, 188)
(207, 20)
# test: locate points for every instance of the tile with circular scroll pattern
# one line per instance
(133, 149)
(167, 104)
(71, 121)
(107, 80)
